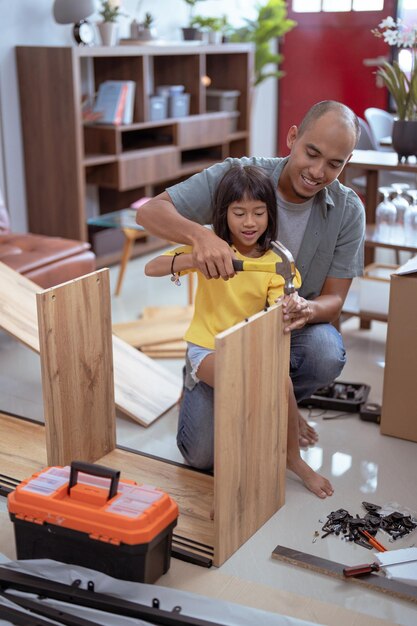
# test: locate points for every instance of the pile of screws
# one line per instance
(341, 523)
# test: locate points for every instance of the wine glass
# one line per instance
(410, 219)
(401, 204)
(385, 216)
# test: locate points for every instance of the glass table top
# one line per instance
(124, 218)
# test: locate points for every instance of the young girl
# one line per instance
(245, 215)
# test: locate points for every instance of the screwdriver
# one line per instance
(368, 568)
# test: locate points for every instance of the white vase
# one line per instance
(215, 36)
(108, 33)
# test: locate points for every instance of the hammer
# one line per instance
(285, 267)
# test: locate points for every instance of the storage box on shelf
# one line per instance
(222, 100)
(127, 161)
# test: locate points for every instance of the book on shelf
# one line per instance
(114, 102)
(130, 101)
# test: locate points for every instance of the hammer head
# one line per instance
(285, 267)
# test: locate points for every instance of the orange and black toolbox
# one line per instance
(86, 516)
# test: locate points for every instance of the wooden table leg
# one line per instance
(371, 195)
(130, 235)
(370, 210)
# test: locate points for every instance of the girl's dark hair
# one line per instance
(245, 182)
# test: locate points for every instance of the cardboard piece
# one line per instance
(399, 402)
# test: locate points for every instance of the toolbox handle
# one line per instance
(94, 470)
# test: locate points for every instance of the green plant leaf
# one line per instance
(270, 23)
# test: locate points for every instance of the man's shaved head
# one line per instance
(345, 114)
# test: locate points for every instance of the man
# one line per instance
(319, 220)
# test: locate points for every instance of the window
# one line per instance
(316, 6)
(336, 5)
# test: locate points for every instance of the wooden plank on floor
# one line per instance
(136, 376)
(140, 333)
(170, 312)
(164, 354)
(251, 373)
(144, 389)
(77, 369)
(152, 333)
(191, 490)
(22, 447)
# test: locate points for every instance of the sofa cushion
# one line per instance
(26, 252)
(46, 260)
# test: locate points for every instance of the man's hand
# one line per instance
(296, 312)
(212, 256)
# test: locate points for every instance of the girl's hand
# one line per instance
(296, 312)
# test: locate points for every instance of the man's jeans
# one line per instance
(317, 357)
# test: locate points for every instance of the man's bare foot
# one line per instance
(316, 483)
(307, 434)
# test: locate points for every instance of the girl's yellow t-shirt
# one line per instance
(220, 304)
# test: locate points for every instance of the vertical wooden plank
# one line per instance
(50, 104)
(251, 403)
(77, 369)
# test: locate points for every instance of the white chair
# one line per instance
(380, 123)
(355, 177)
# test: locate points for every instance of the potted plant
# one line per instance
(190, 32)
(145, 30)
(270, 23)
(214, 26)
(110, 12)
(401, 84)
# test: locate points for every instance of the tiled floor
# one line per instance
(361, 463)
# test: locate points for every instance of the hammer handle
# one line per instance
(254, 266)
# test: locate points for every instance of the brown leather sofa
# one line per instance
(48, 261)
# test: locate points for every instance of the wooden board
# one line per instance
(77, 369)
(191, 490)
(22, 447)
(135, 375)
(159, 333)
(164, 354)
(140, 333)
(18, 315)
(144, 389)
(170, 349)
(251, 394)
(168, 312)
(372, 581)
(158, 326)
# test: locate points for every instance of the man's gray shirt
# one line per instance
(333, 241)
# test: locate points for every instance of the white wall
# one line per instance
(30, 22)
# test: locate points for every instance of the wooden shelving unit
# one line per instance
(63, 155)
